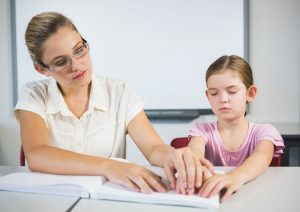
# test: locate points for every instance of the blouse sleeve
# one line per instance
(31, 99)
(134, 104)
(268, 132)
(199, 130)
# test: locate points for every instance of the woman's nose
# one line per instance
(75, 65)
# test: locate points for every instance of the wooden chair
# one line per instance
(184, 141)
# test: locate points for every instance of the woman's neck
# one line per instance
(72, 92)
(77, 100)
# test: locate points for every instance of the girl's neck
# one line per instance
(234, 125)
(233, 134)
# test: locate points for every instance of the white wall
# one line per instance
(9, 131)
(274, 56)
(275, 59)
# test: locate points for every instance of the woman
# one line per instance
(74, 122)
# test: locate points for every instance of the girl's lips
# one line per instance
(224, 109)
(81, 74)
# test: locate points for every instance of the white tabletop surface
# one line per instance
(276, 190)
(16, 201)
(27, 202)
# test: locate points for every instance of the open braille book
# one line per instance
(97, 187)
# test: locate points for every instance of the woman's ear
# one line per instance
(42, 70)
(251, 93)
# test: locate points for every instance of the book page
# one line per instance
(34, 182)
(110, 191)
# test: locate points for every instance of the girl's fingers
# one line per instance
(208, 186)
(227, 194)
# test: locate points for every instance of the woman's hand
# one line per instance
(188, 167)
(227, 183)
(134, 177)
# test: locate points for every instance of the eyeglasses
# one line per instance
(65, 62)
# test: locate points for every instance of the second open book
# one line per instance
(96, 187)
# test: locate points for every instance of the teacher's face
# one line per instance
(66, 45)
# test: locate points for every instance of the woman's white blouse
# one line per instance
(100, 131)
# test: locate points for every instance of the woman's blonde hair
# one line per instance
(40, 28)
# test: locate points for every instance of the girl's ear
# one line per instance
(251, 93)
(42, 70)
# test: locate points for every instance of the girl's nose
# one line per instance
(223, 98)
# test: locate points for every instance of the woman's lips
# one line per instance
(80, 75)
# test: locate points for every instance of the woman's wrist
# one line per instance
(104, 166)
(160, 154)
(197, 151)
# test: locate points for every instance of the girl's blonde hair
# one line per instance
(40, 28)
(234, 63)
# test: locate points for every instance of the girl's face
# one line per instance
(228, 96)
(65, 43)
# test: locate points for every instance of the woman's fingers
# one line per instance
(135, 177)
(170, 173)
(208, 165)
(181, 178)
(155, 182)
(191, 170)
(199, 174)
(130, 185)
(147, 181)
(176, 163)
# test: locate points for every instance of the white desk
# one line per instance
(276, 190)
(26, 202)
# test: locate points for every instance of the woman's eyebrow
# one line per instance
(79, 42)
(76, 45)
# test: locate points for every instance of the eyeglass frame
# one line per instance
(50, 67)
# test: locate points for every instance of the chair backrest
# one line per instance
(22, 157)
(184, 141)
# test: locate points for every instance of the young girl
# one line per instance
(233, 140)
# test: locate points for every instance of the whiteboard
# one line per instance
(161, 47)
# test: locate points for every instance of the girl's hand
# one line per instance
(188, 167)
(134, 177)
(229, 183)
